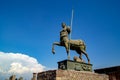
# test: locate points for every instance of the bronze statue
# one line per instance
(77, 45)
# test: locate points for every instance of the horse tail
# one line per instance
(84, 46)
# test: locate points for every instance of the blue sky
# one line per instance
(31, 26)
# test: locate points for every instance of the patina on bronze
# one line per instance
(77, 45)
(72, 65)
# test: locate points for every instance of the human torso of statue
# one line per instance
(64, 34)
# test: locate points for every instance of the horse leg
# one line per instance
(80, 56)
(55, 43)
(79, 52)
(86, 56)
(67, 47)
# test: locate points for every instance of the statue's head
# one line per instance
(63, 24)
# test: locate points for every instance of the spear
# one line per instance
(70, 34)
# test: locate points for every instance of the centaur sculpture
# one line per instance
(77, 45)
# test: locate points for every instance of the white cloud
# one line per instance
(17, 63)
(18, 68)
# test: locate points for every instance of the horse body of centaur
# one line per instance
(77, 45)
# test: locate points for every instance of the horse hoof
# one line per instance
(53, 52)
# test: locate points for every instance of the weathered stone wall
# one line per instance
(70, 75)
(114, 75)
(112, 72)
(47, 75)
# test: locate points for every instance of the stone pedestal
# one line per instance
(73, 65)
(12, 77)
(34, 76)
(70, 75)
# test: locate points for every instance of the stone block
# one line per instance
(70, 75)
